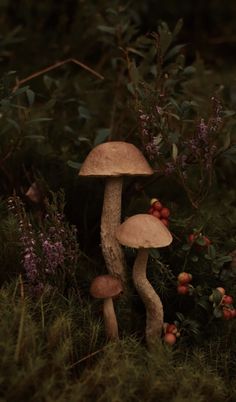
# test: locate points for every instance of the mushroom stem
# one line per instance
(110, 320)
(110, 220)
(153, 304)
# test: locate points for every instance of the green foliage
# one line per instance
(142, 89)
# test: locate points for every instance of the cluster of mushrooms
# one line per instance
(113, 160)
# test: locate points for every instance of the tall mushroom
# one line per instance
(145, 231)
(112, 160)
(106, 287)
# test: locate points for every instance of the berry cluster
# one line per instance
(199, 241)
(223, 301)
(184, 287)
(159, 211)
(171, 333)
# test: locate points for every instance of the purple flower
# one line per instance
(54, 255)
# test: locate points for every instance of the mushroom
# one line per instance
(145, 231)
(113, 160)
(106, 287)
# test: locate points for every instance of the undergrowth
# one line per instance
(54, 349)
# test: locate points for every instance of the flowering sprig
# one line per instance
(51, 253)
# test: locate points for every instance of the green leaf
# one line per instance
(217, 312)
(178, 27)
(74, 165)
(104, 28)
(102, 135)
(154, 253)
(230, 154)
(173, 52)
(84, 113)
(174, 152)
(14, 124)
(134, 74)
(22, 90)
(30, 96)
(216, 296)
(165, 37)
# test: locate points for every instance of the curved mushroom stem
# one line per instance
(110, 321)
(153, 304)
(110, 220)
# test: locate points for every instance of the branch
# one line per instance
(53, 67)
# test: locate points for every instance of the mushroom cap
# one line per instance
(105, 286)
(143, 231)
(115, 158)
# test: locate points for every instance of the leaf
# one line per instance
(14, 124)
(102, 135)
(107, 29)
(217, 312)
(134, 74)
(30, 96)
(173, 52)
(230, 154)
(165, 37)
(154, 253)
(178, 27)
(84, 113)
(174, 152)
(204, 303)
(21, 90)
(74, 165)
(216, 296)
(189, 70)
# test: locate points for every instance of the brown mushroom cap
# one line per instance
(115, 158)
(143, 231)
(105, 286)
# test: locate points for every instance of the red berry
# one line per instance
(227, 299)
(227, 314)
(184, 277)
(150, 211)
(157, 205)
(171, 329)
(170, 339)
(207, 241)
(165, 222)
(165, 213)
(191, 238)
(182, 289)
(233, 313)
(156, 214)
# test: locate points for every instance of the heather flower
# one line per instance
(54, 255)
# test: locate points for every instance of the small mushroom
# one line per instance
(145, 231)
(106, 287)
(112, 160)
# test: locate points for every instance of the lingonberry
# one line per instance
(182, 289)
(156, 214)
(184, 277)
(165, 222)
(165, 213)
(170, 339)
(227, 299)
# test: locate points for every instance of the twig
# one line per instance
(87, 357)
(53, 67)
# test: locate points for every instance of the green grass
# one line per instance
(54, 349)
